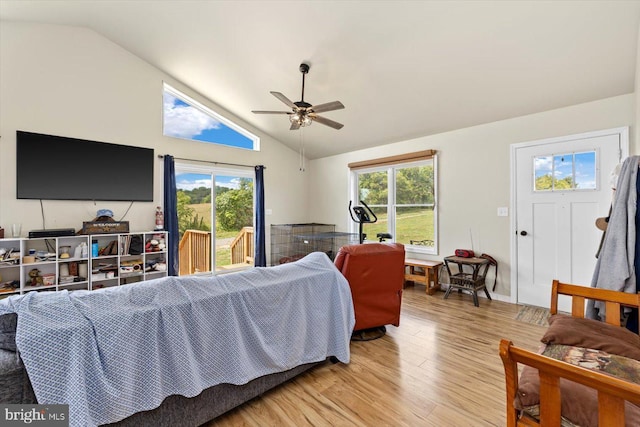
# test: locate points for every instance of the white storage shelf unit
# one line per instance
(61, 263)
(128, 258)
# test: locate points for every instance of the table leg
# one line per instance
(475, 298)
(433, 281)
(446, 294)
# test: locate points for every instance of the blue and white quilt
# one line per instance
(116, 351)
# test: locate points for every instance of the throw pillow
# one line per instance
(589, 333)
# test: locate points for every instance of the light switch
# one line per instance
(503, 211)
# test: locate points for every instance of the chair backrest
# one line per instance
(375, 272)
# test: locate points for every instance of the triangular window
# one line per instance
(186, 118)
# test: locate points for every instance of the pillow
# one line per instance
(8, 324)
(593, 334)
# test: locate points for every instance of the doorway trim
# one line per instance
(623, 134)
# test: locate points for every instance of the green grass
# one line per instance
(226, 234)
(416, 225)
(223, 257)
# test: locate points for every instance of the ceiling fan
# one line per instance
(302, 113)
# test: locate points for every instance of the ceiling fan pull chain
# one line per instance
(301, 150)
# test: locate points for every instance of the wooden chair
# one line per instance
(612, 392)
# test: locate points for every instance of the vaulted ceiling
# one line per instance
(403, 69)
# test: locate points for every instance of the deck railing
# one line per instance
(242, 247)
(195, 252)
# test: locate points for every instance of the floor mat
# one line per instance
(534, 315)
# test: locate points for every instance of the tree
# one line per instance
(546, 182)
(234, 208)
(373, 188)
(186, 218)
(198, 195)
(414, 185)
(185, 212)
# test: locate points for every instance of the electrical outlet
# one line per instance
(268, 211)
(503, 211)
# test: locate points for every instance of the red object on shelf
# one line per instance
(465, 253)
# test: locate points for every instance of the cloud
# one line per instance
(543, 162)
(586, 185)
(186, 184)
(190, 185)
(233, 184)
(184, 121)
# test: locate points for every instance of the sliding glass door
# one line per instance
(215, 217)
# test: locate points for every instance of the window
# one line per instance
(564, 172)
(403, 197)
(186, 118)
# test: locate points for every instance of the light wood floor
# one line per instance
(439, 368)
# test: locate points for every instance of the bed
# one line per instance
(587, 373)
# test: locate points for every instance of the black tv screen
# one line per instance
(60, 168)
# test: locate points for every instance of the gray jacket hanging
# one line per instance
(615, 265)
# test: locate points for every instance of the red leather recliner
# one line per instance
(375, 272)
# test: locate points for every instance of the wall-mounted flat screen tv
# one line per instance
(60, 168)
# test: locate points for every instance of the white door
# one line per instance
(562, 186)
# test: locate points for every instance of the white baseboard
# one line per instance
(498, 297)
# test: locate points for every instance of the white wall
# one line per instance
(73, 82)
(635, 134)
(474, 174)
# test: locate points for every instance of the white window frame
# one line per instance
(209, 112)
(391, 205)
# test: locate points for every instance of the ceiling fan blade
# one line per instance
(326, 122)
(295, 125)
(329, 106)
(270, 112)
(284, 99)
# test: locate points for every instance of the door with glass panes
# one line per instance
(561, 189)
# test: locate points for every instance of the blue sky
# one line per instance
(181, 120)
(585, 167)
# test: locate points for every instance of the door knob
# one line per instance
(523, 233)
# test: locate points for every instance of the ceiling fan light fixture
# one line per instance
(300, 118)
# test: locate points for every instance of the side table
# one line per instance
(430, 276)
(467, 281)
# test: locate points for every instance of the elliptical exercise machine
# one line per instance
(362, 215)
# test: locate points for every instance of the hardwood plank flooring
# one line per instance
(439, 368)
